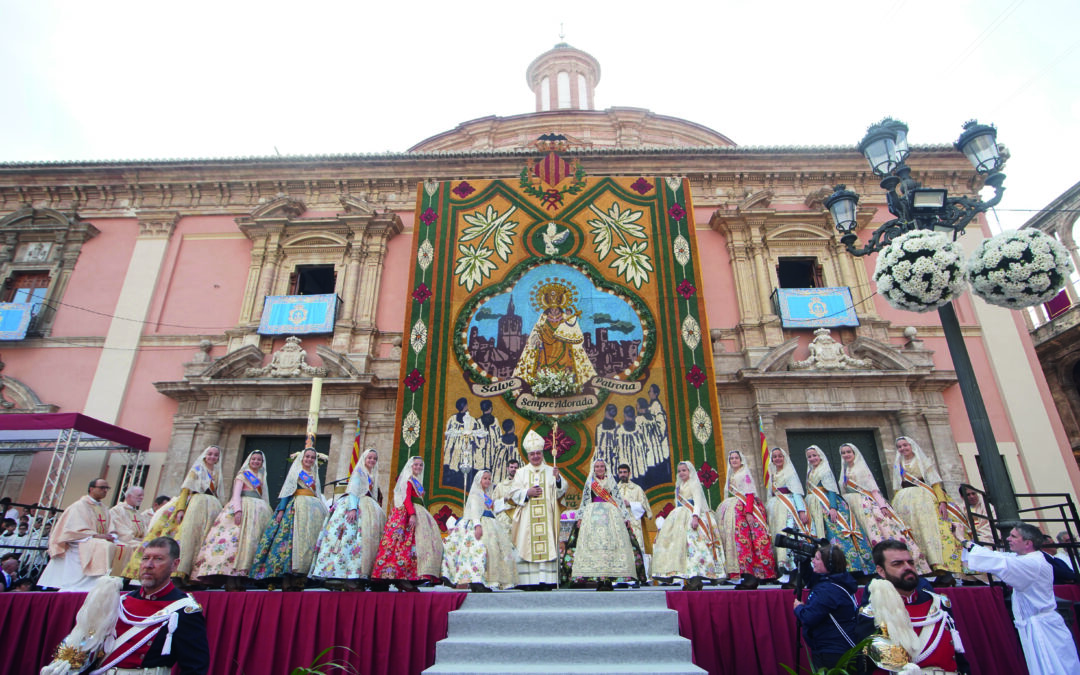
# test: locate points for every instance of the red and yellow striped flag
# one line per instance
(355, 449)
(765, 462)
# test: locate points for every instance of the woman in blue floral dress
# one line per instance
(831, 516)
(288, 545)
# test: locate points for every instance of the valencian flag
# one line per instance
(765, 460)
(560, 297)
(355, 449)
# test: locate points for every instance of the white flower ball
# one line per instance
(1019, 268)
(920, 271)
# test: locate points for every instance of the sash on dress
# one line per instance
(951, 509)
(307, 479)
(252, 480)
(601, 492)
(790, 506)
(712, 541)
(887, 509)
(846, 530)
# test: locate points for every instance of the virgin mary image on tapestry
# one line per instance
(565, 304)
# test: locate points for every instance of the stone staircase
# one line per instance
(569, 631)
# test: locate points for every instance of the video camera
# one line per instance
(802, 546)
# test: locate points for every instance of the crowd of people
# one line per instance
(510, 535)
(509, 532)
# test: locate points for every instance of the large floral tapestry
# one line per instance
(565, 304)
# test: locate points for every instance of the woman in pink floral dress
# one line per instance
(411, 547)
(230, 545)
(871, 510)
(744, 526)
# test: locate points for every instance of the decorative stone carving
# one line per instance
(157, 224)
(338, 365)
(395, 347)
(289, 361)
(6, 404)
(816, 199)
(717, 342)
(911, 333)
(828, 354)
(203, 355)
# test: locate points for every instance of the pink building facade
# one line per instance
(150, 279)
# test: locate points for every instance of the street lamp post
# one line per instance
(920, 208)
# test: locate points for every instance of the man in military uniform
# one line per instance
(156, 627)
(916, 624)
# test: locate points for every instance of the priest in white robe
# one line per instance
(503, 495)
(534, 530)
(638, 504)
(81, 547)
(129, 526)
(1048, 644)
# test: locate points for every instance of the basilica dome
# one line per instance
(563, 80)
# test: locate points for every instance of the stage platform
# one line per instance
(732, 632)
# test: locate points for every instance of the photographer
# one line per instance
(830, 615)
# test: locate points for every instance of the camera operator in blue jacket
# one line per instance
(830, 616)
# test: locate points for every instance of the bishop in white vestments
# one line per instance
(537, 488)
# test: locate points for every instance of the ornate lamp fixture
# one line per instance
(924, 208)
(916, 207)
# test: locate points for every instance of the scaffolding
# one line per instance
(75, 432)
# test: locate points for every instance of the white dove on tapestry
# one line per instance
(553, 237)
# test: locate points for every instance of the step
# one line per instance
(585, 649)
(561, 668)
(470, 621)
(583, 599)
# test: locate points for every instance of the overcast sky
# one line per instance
(125, 80)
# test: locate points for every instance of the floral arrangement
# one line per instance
(920, 271)
(555, 383)
(1019, 268)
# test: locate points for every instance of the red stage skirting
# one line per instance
(720, 626)
(733, 632)
(259, 633)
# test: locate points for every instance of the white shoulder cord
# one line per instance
(168, 614)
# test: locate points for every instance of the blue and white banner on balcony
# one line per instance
(15, 319)
(816, 307)
(298, 314)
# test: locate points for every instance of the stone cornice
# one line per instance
(724, 177)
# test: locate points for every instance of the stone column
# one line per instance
(178, 457)
(348, 434)
(254, 283)
(209, 433)
(109, 386)
(352, 275)
(909, 425)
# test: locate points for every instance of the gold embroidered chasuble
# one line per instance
(535, 525)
